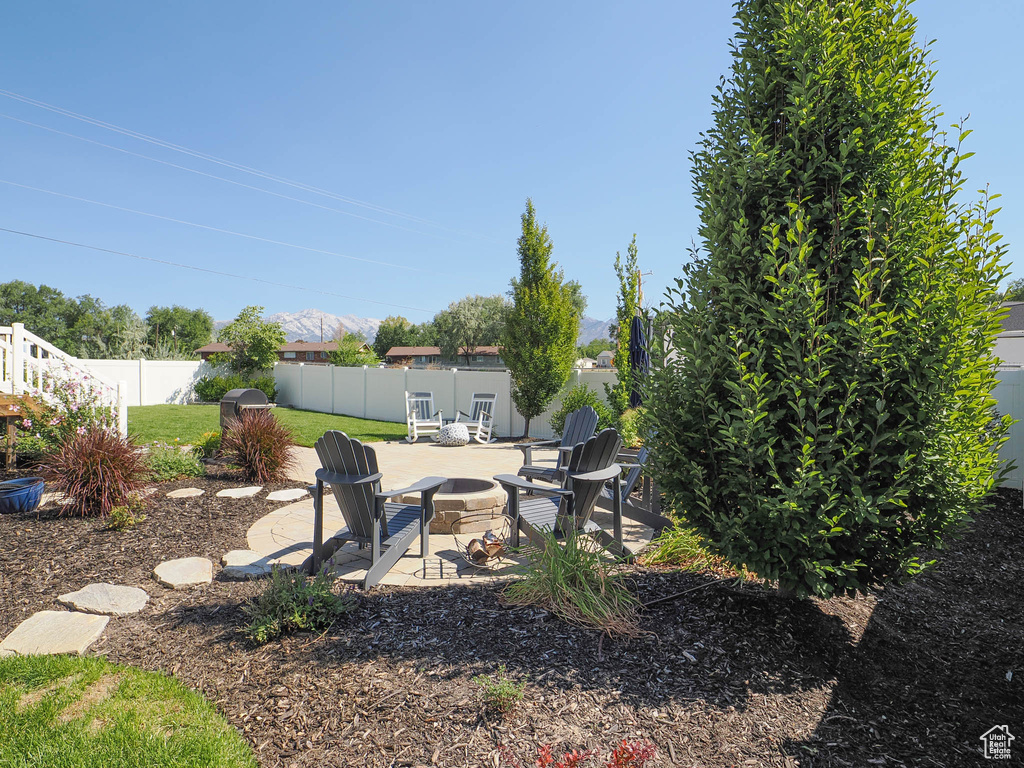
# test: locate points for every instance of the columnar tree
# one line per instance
(627, 306)
(542, 324)
(254, 342)
(826, 412)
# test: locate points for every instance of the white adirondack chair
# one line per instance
(420, 416)
(480, 417)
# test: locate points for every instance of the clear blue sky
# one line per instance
(447, 113)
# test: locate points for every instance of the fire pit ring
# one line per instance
(459, 496)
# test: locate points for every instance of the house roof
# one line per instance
(308, 346)
(425, 351)
(1014, 320)
(215, 346)
(606, 353)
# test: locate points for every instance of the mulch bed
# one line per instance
(726, 675)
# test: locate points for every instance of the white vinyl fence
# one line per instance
(1009, 392)
(154, 382)
(379, 393)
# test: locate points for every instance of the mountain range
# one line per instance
(306, 324)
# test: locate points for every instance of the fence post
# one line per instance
(17, 357)
(142, 381)
(455, 391)
(301, 366)
(332, 388)
(122, 408)
(366, 377)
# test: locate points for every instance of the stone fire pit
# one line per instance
(462, 495)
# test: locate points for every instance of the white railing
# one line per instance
(31, 365)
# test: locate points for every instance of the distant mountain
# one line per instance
(305, 324)
(591, 329)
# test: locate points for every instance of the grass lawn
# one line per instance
(187, 423)
(72, 711)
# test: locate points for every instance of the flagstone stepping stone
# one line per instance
(240, 493)
(289, 494)
(109, 599)
(185, 493)
(184, 572)
(49, 632)
(245, 564)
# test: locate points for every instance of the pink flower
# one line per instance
(80, 430)
(26, 423)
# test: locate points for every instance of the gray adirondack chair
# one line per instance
(420, 416)
(350, 468)
(568, 507)
(480, 417)
(647, 511)
(580, 425)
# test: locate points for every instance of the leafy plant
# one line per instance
(169, 462)
(211, 389)
(576, 581)
(292, 602)
(626, 308)
(631, 427)
(500, 694)
(127, 515)
(578, 397)
(542, 324)
(824, 415)
(260, 445)
(468, 323)
(97, 469)
(254, 343)
(350, 353)
(679, 546)
(207, 445)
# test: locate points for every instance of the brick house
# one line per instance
(290, 352)
(423, 357)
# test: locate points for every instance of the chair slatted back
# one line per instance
(580, 426)
(347, 456)
(421, 404)
(633, 476)
(482, 405)
(599, 452)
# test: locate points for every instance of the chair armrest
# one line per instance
(511, 481)
(336, 478)
(627, 465)
(608, 473)
(428, 485)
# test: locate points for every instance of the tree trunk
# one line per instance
(526, 431)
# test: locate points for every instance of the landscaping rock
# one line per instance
(289, 494)
(245, 564)
(186, 493)
(184, 572)
(50, 632)
(109, 599)
(240, 493)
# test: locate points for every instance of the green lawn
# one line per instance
(84, 712)
(187, 423)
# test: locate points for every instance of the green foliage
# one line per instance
(827, 413)
(192, 328)
(292, 602)
(680, 547)
(1014, 291)
(127, 515)
(211, 389)
(394, 331)
(632, 427)
(595, 348)
(207, 445)
(575, 580)
(541, 326)
(169, 462)
(579, 396)
(500, 693)
(627, 307)
(350, 352)
(254, 343)
(472, 322)
(259, 445)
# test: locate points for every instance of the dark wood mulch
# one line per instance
(726, 675)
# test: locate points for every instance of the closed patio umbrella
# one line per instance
(639, 360)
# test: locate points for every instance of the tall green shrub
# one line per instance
(542, 324)
(827, 411)
(626, 308)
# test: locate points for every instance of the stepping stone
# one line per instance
(49, 632)
(149, 491)
(185, 493)
(240, 493)
(245, 564)
(184, 572)
(289, 494)
(109, 599)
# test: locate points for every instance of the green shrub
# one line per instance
(579, 396)
(575, 580)
(260, 445)
(824, 415)
(500, 694)
(169, 462)
(127, 515)
(211, 389)
(630, 426)
(97, 469)
(292, 602)
(680, 547)
(207, 446)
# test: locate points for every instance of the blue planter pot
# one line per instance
(21, 495)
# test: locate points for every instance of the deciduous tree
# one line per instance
(254, 342)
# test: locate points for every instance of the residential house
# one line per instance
(606, 359)
(425, 357)
(586, 362)
(290, 352)
(1010, 342)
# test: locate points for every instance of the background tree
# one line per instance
(394, 331)
(626, 307)
(193, 328)
(351, 352)
(127, 336)
(827, 413)
(469, 323)
(594, 348)
(254, 342)
(542, 324)
(45, 311)
(1014, 291)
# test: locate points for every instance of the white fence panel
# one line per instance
(467, 383)
(349, 391)
(1009, 393)
(288, 380)
(385, 394)
(154, 382)
(317, 389)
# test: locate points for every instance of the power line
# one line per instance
(228, 163)
(207, 226)
(210, 271)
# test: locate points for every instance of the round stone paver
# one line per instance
(289, 494)
(49, 632)
(240, 493)
(245, 564)
(185, 493)
(184, 572)
(108, 599)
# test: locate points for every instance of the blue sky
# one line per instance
(448, 115)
